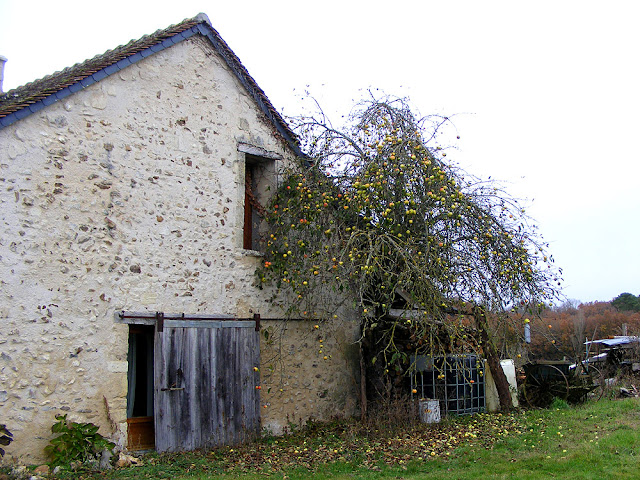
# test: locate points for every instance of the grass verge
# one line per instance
(593, 441)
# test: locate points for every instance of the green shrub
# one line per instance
(559, 404)
(6, 437)
(77, 442)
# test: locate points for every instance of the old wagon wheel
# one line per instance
(543, 383)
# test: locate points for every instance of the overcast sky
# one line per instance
(544, 95)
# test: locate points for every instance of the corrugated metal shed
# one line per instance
(615, 341)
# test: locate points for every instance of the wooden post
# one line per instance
(247, 238)
(159, 322)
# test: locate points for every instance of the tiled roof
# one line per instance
(22, 101)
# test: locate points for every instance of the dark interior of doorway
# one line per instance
(141, 435)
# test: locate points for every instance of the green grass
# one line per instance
(594, 441)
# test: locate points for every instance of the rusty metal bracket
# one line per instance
(159, 322)
(256, 317)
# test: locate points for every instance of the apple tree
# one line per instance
(375, 212)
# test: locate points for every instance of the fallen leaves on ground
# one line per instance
(348, 442)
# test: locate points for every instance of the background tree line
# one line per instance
(562, 330)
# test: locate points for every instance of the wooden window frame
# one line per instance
(259, 165)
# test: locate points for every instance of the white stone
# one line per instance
(98, 101)
(118, 367)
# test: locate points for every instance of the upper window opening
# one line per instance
(259, 184)
(256, 188)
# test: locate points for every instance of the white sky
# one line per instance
(545, 95)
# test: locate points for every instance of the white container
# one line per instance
(491, 391)
(429, 411)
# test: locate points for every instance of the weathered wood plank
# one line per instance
(258, 151)
(209, 395)
(208, 324)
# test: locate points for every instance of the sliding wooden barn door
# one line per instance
(205, 383)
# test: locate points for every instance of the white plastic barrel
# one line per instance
(429, 411)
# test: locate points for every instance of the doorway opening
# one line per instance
(191, 380)
(140, 421)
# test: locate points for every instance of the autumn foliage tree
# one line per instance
(376, 214)
(562, 331)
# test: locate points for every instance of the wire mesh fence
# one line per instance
(456, 381)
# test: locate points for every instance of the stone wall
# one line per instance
(309, 370)
(129, 195)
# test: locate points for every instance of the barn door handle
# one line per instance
(171, 389)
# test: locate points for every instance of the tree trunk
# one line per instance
(363, 386)
(493, 359)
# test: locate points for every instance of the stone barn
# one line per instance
(131, 192)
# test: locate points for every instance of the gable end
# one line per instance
(32, 97)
